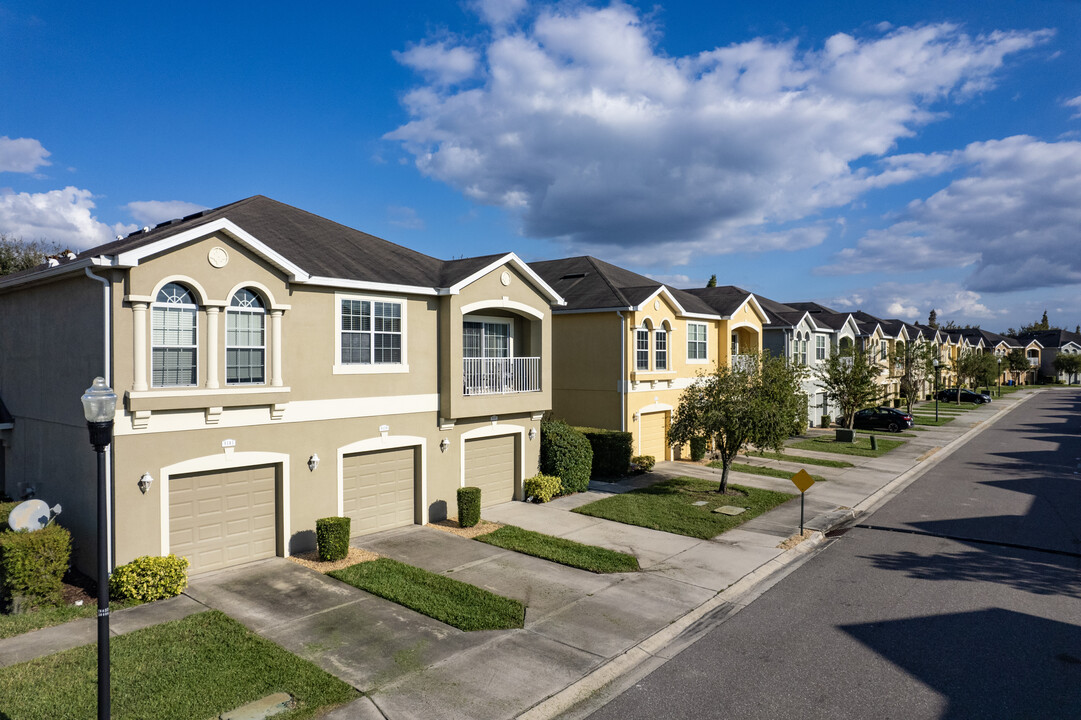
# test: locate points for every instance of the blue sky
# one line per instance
(887, 156)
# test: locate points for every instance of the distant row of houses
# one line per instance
(275, 367)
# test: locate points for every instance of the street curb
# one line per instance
(628, 660)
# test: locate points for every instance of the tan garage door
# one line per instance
(223, 518)
(490, 465)
(378, 489)
(653, 429)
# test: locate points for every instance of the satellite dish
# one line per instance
(31, 515)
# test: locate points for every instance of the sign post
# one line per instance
(803, 482)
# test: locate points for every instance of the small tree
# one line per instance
(985, 371)
(712, 281)
(1067, 363)
(759, 403)
(17, 254)
(967, 365)
(914, 361)
(848, 379)
(1017, 363)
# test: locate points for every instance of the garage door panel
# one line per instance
(653, 428)
(491, 465)
(223, 518)
(378, 489)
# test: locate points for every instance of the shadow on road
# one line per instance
(988, 663)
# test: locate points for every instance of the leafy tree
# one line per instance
(712, 281)
(914, 361)
(1017, 362)
(758, 403)
(17, 254)
(985, 370)
(932, 319)
(966, 366)
(1039, 326)
(1069, 363)
(848, 379)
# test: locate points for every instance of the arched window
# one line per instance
(174, 337)
(641, 348)
(245, 339)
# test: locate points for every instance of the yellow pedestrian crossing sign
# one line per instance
(803, 481)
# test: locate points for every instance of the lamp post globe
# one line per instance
(99, 408)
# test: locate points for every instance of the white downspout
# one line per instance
(107, 314)
(622, 373)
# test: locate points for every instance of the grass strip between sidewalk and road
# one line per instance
(861, 447)
(560, 550)
(198, 667)
(930, 420)
(461, 605)
(801, 459)
(670, 506)
(759, 470)
(887, 433)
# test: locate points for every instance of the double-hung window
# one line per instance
(820, 347)
(803, 352)
(696, 341)
(174, 338)
(370, 332)
(245, 340)
(641, 350)
(660, 346)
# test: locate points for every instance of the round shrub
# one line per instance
(32, 567)
(698, 448)
(149, 578)
(468, 506)
(644, 463)
(565, 453)
(332, 538)
(542, 488)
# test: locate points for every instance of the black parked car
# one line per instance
(950, 395)
(883, 418)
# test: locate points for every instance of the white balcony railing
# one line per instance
(500, 376)
(743, 362)
(1033, 362)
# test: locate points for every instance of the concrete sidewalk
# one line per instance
(582, 630)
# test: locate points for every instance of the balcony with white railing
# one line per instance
(501, 376)
(743, 362)
(1033, 361)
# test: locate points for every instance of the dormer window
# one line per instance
(174, 337)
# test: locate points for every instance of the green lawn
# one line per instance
(455, 603)
(759, 470)
(886, 433)
(560, 550)
(194, 668)
(861, 447)
(802, 459)
(930, 420)
(12, 625)
(669, 506)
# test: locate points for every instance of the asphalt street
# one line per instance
(960, 598)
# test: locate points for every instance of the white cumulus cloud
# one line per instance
(61, 216)
(152, 212)
(582, 127)
(439, 63)
(1013, 220)
(405, 217)
(22, 155)
(499, 12)
(912, 302)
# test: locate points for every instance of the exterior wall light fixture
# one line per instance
(444, 444)
(145, 482)
(313, 462)
(532, 433)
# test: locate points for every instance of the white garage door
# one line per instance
(653, 431)
(223, 518)
(379, 489)
(490, 465)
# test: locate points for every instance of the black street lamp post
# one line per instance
(935, 362)
(99, 408)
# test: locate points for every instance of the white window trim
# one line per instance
(340, 368)
(637, 335)
(198, 330)
(265, 312)
(687, 345)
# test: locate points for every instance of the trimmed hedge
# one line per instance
(149, 578)
(542, 488)
(32, 567)
(332, 538)
(5, 510)
(565, 453)
(468, 506)
(698, 448)
(611, 451)
(645, 463)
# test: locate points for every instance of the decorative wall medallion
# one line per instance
(656, 304)
(505, 278)
(218, 257)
